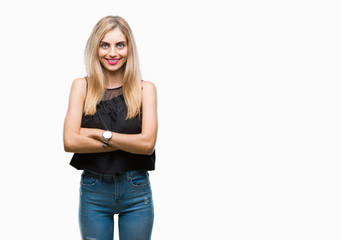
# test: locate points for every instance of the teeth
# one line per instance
(113, 60)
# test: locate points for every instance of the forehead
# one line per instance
(114, 35)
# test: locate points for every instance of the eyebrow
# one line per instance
(115, 43)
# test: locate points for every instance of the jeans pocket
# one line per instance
(88, 180)
(139, 179)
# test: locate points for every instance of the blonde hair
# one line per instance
(95, 73)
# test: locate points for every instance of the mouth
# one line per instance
(113, 61)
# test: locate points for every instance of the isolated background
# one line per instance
(249, 115)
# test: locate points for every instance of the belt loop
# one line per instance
(128, 176)
(100, 176)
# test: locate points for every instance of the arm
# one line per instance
(144, 142)
(74, 141)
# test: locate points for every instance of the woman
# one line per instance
(111, 126)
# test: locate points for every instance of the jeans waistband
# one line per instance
(126, 174)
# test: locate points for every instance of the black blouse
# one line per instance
(110, 115)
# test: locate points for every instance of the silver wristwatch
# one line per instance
(106, 137)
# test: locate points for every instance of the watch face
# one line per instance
(107, 134)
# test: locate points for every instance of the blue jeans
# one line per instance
(127, 194)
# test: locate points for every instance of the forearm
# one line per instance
(133, 143)
(82, 144)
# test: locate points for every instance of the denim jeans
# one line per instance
(127, 194)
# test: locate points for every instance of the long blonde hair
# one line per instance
(95, 73)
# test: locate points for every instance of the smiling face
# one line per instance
(113, 50)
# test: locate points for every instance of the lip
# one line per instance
(113, 61)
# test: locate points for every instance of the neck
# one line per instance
(114, 79)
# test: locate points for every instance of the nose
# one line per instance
(112, 52)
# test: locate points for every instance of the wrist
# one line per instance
(106, 136)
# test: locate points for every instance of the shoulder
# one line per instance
(79, 83)
(148, 92)
(149, 86)
(79, 86)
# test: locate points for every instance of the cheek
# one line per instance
(101, 53)
(124, 52)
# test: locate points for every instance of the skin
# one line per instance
(113, 46)
(86, 140)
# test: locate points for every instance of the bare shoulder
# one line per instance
(78, 88)
(79, 83)
(149, 95)
(149, 86)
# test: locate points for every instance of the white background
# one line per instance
(249, 115)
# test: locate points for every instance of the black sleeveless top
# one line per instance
(110, 115)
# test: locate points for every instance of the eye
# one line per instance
(120, 45)
(104, 45)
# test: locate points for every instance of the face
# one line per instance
(113, 50)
